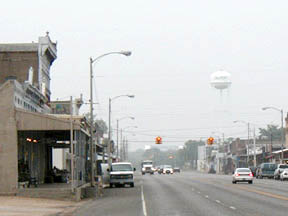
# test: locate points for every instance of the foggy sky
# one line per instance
(176, 46)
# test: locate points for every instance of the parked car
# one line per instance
(242, 175)
(176, 169)
(280, 168)
(284, 175)
(253, 170)
(121, 173)
(267, 170)
(167, 169)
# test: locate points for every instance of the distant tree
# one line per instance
(100, 124)
(191, 150)
(271, 132)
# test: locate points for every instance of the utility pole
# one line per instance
(121, 146)
(254, 143)
(109, 136)
(91, 125)
(71, 144)
(127, 150)
(282, 137)
(248, 142)
(117, 150)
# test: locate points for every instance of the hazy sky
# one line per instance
(176, 46)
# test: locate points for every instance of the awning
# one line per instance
(279, 151)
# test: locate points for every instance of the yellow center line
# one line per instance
(244, 188)
(262, 192)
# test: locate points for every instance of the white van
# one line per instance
(121, 174)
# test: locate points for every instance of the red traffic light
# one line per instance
(210, 141)
(158, 140)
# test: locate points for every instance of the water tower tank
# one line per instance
(220, 80)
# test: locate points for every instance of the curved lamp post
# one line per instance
(109, 126)
(282, 131)
(125, 53)
(248, 138)
(124, 145)
(126, 117)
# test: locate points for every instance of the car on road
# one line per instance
(242, 175)
(121, 173)
(266, 170)
(284, 175)
(167, 169)
(160, 169)
(176, 169)
(280, 168)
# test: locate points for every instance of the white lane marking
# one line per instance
(143, 202)
(199, 192)
(207, 196)
(218, 201)
(232, 207)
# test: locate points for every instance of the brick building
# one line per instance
(17, 59)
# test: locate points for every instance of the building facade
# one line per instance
(29, 64)
(28, 130)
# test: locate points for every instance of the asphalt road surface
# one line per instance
(191, 193)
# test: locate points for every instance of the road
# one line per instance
(191, 193)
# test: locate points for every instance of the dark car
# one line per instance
(266, 170)
(160, 169)
(176, 169)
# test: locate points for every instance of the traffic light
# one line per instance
(210, 141)
(158, 140)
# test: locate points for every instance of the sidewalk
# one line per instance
(16, 206)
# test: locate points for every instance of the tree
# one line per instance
(191, 150)
(100, 125)
(271, 132)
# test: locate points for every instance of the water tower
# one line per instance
(220, 80)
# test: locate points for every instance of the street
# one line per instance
(191, 193)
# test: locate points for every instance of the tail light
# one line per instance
(251, 174)
(237, 174)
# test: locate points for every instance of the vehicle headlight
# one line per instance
(130, 176)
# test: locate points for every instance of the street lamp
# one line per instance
(125, 53)
(248, 140)
(109, 126)
(124, 144)
(133, 118)
(282, 130)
